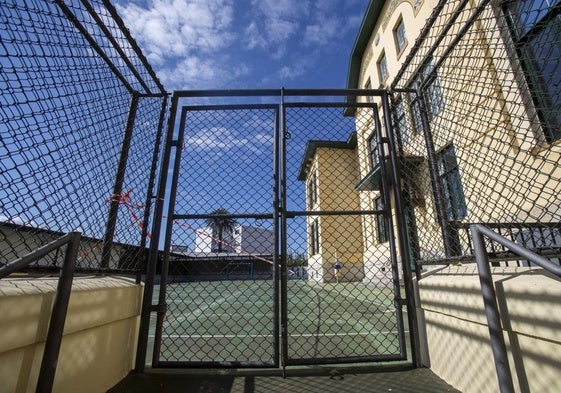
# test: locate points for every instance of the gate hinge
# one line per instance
(399, 302)
(158, 308)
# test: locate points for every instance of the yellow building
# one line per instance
(330, 171)
(475, 91)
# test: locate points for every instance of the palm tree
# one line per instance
(220, 223)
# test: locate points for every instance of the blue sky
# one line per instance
(245, 44)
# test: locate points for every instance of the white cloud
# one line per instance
(282, 9)
(202, 71)
(253, 38)
(274, 23)
(323, 32)
(185, 40)
(225, 139)
(167, 28)
(198, 44)
(279, 31)
(292, 72)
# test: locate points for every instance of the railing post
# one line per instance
(492, 312)
(58, 317)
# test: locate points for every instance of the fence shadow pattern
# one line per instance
(81, 115)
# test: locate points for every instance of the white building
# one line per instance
(242, 239)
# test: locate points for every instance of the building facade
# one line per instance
(474, 89)
(334, 241)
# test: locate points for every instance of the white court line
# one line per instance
(271, 335)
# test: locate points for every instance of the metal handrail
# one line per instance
(60, 306)
(478, 231)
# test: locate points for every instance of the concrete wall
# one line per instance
(458, 337)
(100, 334)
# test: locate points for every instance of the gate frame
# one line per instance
(279, 213)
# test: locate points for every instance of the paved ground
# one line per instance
(412, 381)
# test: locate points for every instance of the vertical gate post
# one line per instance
(142, 347)
(161, 308)
(283, 247)
(402, 232)
(118, 185)
(277, 154)
(386, 204)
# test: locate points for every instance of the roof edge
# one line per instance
(367, 26)
(314, 144)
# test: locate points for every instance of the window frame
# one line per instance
(314, 237)
(368, 86)
(312, 190)
(400, 120)
(450, 180)
(372, 145)
(382, 66)
(400, 45)
(428, 82)
(382, 228)
(545, 105)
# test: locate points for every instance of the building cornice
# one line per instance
(361, 43)
(314, 144)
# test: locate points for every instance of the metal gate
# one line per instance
(280, 244)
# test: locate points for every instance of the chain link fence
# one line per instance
(81, 122)
(349, 307)
(477, 116)
(264, 256)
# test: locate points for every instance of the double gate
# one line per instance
(272, 254)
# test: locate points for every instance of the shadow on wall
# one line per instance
(458, 337)
(99, 339)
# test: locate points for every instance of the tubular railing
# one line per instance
(478, 232)
(542, 238)
(60, 306)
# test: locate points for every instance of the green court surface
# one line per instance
(234, 321)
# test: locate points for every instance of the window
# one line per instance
(400, 121)
(382, 230)
(535, 27)
(373, 150)
(431, 93)
(368, 86)
(383, 68)
(449, 175)
(415, 108)
(314, 237)
(399, 36)
(312, 191)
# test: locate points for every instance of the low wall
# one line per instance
(459, 348)
(99, 340)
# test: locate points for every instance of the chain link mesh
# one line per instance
(220, 287)
(485, 76)
(72, 81)
(345, 309)
(237, 180)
